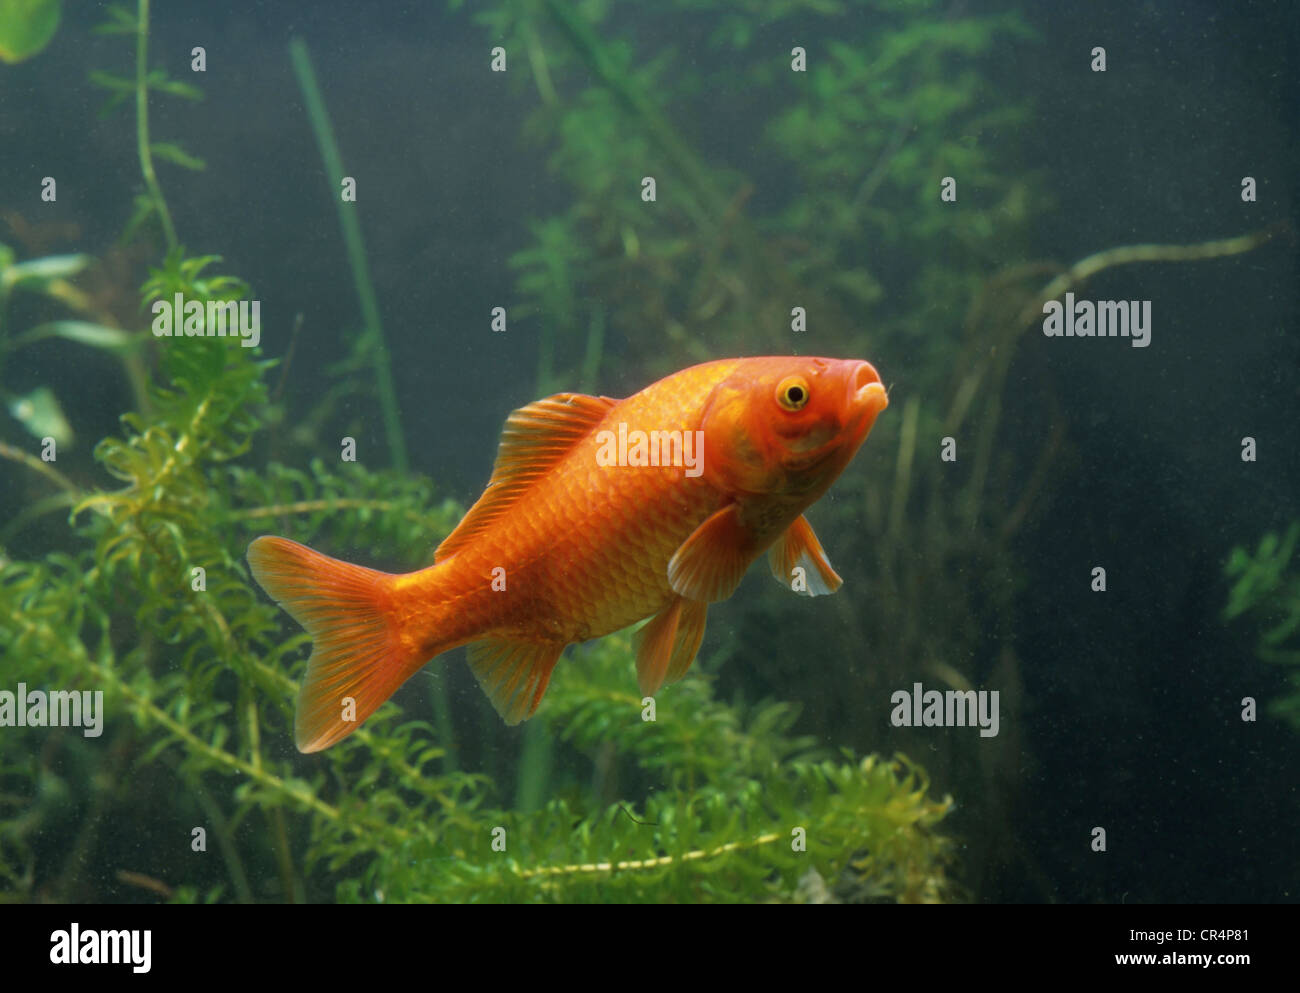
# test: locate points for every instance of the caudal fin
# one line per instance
(357, 659)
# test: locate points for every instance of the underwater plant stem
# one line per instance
(221, 828)
(595, 348)
(442, 719)
(546, 358)
(559, 313)
(356, 252)
(534, 767)
(104, 789)
(133, 363)
(651, 863)
(99, 501)
(1037, 479)
(44, 468)
(37, 508)
(903, 472)
(880, 171)
(142, 124)
(314, 506)
(537, 60)
(280, 843)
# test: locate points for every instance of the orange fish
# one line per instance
(599, 513)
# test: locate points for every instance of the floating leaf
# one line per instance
(26, 27)
(36, 274)
(85, 333)
(39, 412)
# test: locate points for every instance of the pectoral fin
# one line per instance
(799, 562)
(711, 562)
(666, 646)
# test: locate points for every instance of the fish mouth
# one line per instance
(867, 396)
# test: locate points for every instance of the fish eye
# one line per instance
(792, 394)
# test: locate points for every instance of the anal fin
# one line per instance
(514, 674)
(690, 632)
(667, 646)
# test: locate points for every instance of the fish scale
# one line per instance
(615, 566)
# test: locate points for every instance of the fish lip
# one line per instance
(867, 394)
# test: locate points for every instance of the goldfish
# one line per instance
(599, 513)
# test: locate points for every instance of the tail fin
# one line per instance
(358, 659)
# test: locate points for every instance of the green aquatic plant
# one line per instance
(150, 205)
(1266, 588)
(742, 811)
(155, 609)
(739, 794)
(187, 787)
(197, 661)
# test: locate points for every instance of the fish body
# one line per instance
(599, 513)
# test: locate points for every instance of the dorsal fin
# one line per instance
(534, 439)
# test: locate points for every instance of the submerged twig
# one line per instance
(903, 472)
(1088, 267)
(139, 879)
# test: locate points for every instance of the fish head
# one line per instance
(788, 425)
